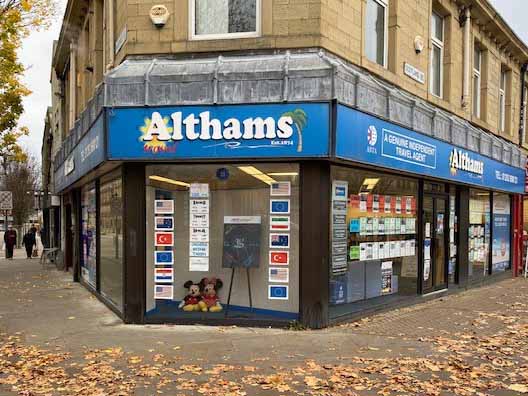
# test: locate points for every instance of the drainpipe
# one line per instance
(72, 87)
(522, 118)
(465, 21)
(111, 34)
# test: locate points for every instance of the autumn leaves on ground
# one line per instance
(474, 343)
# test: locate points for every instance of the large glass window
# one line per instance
(376, 25)
(373, 238)
(437, 53)
(225, 18)
(500, 252)
(89, 235)
(219, 234)
(111, 235)
(479, 233)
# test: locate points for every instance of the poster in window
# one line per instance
(386, 277)
(501, 233)
(241, 247)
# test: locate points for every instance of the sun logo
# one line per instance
(151, 129)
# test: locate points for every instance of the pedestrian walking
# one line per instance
(29, 241)
(10, 240)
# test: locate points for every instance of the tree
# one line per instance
(22, 179)
(299, 118)
(17, 19)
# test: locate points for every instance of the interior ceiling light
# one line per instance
(283, 174)
(369, 184)
(252, 171)
(170, 181)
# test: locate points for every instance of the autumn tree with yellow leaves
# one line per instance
(17, 19)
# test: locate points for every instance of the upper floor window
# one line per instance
(437, 54)
(502, 100)
(376, 31)
(477, 68)
(224, 19)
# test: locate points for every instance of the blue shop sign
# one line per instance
(367, 139)
(208, 132)
(88, 153)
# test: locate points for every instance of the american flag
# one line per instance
(163, 292)
(280, 188)
(164, 206)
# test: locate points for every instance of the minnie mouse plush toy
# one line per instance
(209, 288)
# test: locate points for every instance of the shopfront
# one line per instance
(273, 213)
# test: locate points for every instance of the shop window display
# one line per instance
(453, 237)
(89, 235)
(222, 241)
(111, 234)
(479, 233)
(501, 233)
(373, 238)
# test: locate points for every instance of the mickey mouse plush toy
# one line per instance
(193, 300)
(210, 299)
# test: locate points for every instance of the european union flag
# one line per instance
(164, 257)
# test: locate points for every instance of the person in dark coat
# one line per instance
(10, 240)
(29, 241)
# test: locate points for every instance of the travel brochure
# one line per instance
(382, 250)
(383, 226)
(375, 203)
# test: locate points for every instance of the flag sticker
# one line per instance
(164, 206)
(163, 257)
(277, 292)
(163, 275)
(164, 223)
(279, 275)
(163, 292)
(280, 223)
(279, 241)
(279, 258)
(164, 238)
(278, 189)
(280, 206)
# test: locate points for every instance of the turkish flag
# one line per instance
(279, 258)
(164, 238)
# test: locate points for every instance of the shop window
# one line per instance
(453, 237)
(89, 235)
(437, 54)
(500, 253)
(212, 229)
(111, 245)
(373, 238)
(376, 26)
(479, 233)
(220, 19)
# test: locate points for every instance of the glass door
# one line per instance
(434, 246)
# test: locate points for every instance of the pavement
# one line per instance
(58, 339)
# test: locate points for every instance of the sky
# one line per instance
(37, 50)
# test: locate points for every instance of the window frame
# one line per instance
(435, 42)
(385, 5)
(223, 36)
(477, 74)
(502, 99)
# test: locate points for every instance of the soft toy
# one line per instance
(193, 300)
(210, 287)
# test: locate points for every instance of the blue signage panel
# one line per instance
(88, 153)
(205, 132)
(367, 139)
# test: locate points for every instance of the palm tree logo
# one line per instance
(299, 118)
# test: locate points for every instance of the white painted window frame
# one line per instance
(502, 100)
(385, 5)
(435, 42)
(200, 37)
(477, 76)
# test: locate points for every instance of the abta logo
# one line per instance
(372, 135)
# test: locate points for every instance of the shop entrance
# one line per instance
(435, 226)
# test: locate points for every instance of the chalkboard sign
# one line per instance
(241, 242)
